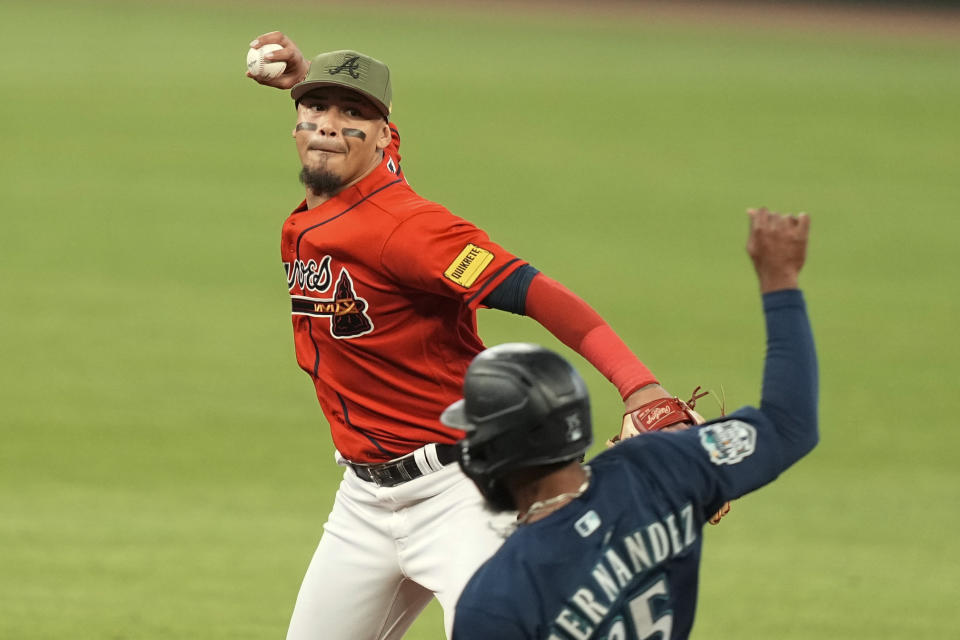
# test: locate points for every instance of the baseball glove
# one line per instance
(662, 413)
(665, 414)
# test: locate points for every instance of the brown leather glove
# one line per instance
(665, 414)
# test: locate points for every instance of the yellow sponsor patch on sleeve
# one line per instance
(467, 267)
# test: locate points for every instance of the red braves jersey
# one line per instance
(384, 287)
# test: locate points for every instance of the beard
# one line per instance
(320, 181)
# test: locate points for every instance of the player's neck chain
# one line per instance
(541, 506)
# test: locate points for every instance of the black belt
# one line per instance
(390, 474)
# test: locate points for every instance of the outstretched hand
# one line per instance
(297, 66)
(778, 247)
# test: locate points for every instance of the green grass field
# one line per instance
(164, 468)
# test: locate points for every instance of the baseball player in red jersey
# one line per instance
(384, 288)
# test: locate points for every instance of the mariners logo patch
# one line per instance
(728, 442)
(467, 267)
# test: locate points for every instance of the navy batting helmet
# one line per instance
(523, 406)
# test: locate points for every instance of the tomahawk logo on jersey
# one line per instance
(346, 310)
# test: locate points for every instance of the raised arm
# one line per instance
(741, 452)
(778, 247)
(576, 324)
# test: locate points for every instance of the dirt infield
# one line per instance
(927, 21)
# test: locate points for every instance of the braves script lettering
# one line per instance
(309, 276)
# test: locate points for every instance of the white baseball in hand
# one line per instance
(260, 68)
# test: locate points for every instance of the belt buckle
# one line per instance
(380, 474)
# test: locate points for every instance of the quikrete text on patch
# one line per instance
(468, 265)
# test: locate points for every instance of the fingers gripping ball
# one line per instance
(260, 68)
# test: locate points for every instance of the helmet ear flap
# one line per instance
(475, 463)
(498, 495)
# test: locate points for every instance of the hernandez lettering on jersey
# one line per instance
(623, 564)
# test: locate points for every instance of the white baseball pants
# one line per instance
(386, 551)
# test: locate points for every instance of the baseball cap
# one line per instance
(353, 70)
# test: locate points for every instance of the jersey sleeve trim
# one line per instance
(511, 294)
(498, 276)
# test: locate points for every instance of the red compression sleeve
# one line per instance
(577, 325)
